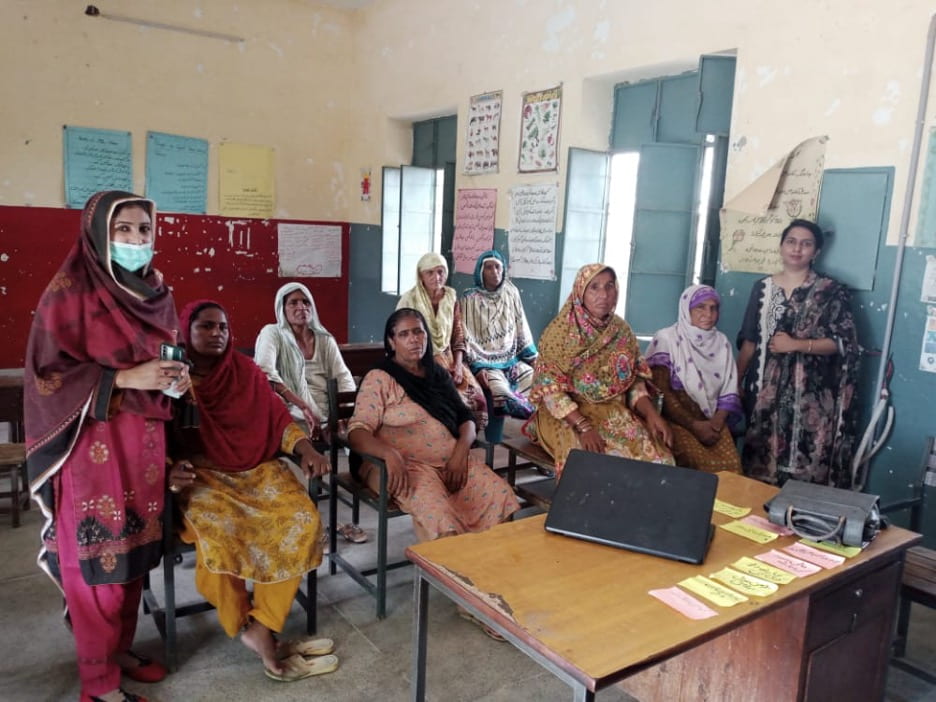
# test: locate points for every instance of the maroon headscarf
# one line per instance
(240, 419)
(93, 319)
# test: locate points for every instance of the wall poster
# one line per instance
(539, 131)
(482, 145)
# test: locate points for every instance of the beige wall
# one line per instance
(334, 91)
(287, 86)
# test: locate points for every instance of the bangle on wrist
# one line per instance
(809, 347)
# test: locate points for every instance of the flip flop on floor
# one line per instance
(352, 533)
(299, 668)
(469, 617)
(306, 647)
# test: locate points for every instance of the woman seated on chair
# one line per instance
(441, 312)
(245, 510)
(694, 368)
(299, 355)
(589, 384)
(409, 414)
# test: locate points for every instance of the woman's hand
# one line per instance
(705, 432)
(152, 375)
(591, 441)
(781, 342)
(312, 463)
(181, 476)
(397, 478)
(315, 426)
(659, 429)
(455, 475)
(458, 374)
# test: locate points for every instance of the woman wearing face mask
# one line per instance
(694, 368)
(95, 407)
(438, 305)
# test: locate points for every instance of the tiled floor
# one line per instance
(37, 656)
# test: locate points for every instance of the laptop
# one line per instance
(646, 507)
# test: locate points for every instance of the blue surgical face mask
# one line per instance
(131, 256)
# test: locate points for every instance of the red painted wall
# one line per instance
(233, 261)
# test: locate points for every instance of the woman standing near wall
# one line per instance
(798, 365)
(94, 432)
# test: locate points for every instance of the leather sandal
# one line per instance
(353, 533)
(307, 648)
(146, 671)
(299, 668)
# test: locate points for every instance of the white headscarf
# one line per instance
(700, 361)
(442, 320)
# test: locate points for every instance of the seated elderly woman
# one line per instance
(694, 368)
(500, 347)
(409, 414)
(299, 356)
(589, 384)
(245, 510)
(439, 307)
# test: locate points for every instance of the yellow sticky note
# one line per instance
(749, 531)
(712, 591)
(763, 571)
(730, 509)
(747, 584)
(840, 549)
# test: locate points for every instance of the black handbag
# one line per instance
(823, 513)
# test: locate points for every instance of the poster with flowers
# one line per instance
(539, 131)
(482, 144)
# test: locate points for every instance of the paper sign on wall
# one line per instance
(309, 250)
(474, 226)
(751, 222)
(531, 241)
(246, 180)
(928, 352)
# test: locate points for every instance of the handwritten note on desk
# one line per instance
(731, 510)
(814, 555)
(763, 571)
(789, 563)
(712, 591)
(742, 582)
(749, 531)
(683, 603)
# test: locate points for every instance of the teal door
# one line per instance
(664, 234)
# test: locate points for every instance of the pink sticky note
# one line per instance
(683, 603)
(814, 555)
(789, 563)
(766, 525)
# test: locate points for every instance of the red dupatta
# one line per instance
(93, 319)
(240, 419)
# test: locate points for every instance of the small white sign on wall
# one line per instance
(309, 250)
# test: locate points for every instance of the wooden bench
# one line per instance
(13, 452)
(919, 575)
(535, 492)
(360, 358)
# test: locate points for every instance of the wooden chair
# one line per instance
(340, 409)
(919, 574)
(165, 615)
(534, 492)
(13, 452)
(372, 579)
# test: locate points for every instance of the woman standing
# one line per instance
(438, 306)
(798, 364)
(589, 384)
(94, 432)
(694, 368)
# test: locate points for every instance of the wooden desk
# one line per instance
(582, 611)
